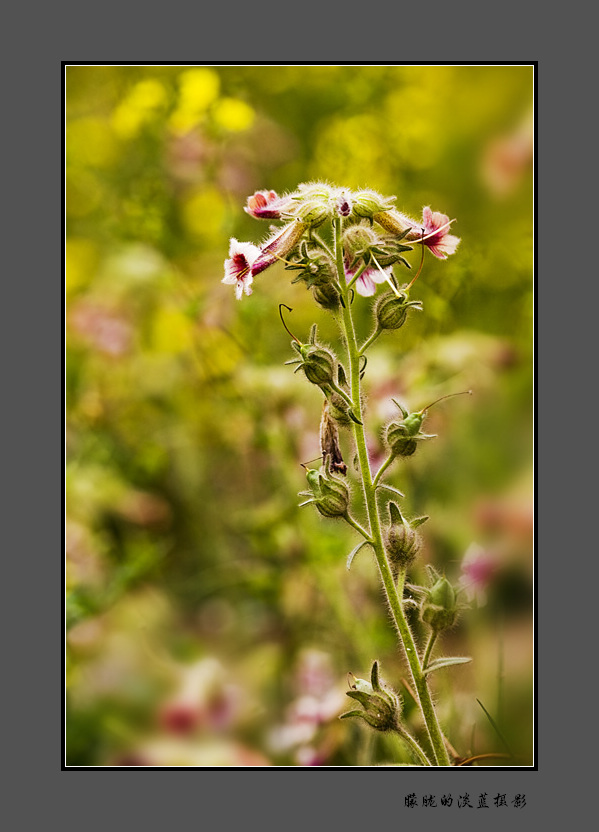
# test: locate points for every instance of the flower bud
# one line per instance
(391, 311)
(398, 224)
(329, 494)
(358, 240)
(335, 497)
(368, 203)
(382, 706)
(339, 409)
(326, 295)
(439, 608)
(399, 439)
(402, 541)
(313, 212)
(402, 437)
(318, 364)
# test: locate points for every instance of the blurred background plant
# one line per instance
(210, 622)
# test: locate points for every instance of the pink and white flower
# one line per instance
(436, 234)
(433, 231)
(266, 205)
(238, 266)
(366, 283)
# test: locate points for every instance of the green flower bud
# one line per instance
(339, 409)
(439, 608)
(399, 439)
(367, 203)
(326, 295)
(319, 364)
(391, 311)
(402, 541)
(358, 240)
(313, 212)
(395, 223)
(334, 501)
(382, 706)
(329, 494)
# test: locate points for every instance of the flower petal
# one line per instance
(365, 286)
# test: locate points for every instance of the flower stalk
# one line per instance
(368, 240)
(393, 593)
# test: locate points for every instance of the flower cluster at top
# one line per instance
(374, 237)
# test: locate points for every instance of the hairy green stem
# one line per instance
(362, 269)
(340, 392)
(370, 340)
(394, 594)
(409, 740)
(349, 519)
(429, 648)
(382, 469)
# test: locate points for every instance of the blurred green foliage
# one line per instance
(186, 434)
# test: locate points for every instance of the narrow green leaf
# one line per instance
(354, 552)
(418, 521)
(447, 661)
(404, 412)
(390, 488)
(497, 731)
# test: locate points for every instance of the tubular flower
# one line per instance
(238, 267)
(266, 205)
(366, 283)
(436, 236)
(432, 231)
(279, 246)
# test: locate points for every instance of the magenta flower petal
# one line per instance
(238, 266)
(366, 283)
(436, 233)
(433, 231)
(265, 205)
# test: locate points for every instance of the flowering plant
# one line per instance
(345, 245)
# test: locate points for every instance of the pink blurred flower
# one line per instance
(314, 675)
(478, 570)
(507, 158)
(104, 329)
(179, 718)
(239, 265)
(307, 756)
(204, 700)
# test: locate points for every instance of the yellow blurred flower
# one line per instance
(198, 88)
(233, 114)
(140, 106)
